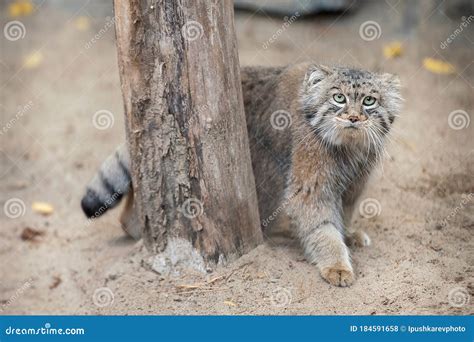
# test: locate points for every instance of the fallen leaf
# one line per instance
(438, 67)
(33, 60)
(392, 50)
(82, 23)
(56, 281)
(26, 7)
(30, 234)
(410, 145)
(19, 185)
(187, 287)
(20, 8)
(42, 208)
(228, 302)
(14, 10)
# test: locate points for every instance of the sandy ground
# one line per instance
(416, 265)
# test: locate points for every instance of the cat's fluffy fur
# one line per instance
(311, 154)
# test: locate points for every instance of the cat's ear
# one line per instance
(391, 88)
(317, 73)
(391, 81)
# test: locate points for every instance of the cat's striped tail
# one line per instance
(109, 185)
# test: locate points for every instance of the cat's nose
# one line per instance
(353, 118)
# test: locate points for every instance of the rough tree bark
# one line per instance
(194, 187)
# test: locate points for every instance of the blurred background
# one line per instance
(61, 114)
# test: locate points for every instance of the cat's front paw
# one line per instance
(358, 238)
(338, 274)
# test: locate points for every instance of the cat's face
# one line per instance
(350, 107)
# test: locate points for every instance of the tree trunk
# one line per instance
(192, 177)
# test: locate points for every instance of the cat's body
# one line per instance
(314, 136)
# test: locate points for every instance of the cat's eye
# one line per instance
(369, 101)
(339, 98)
